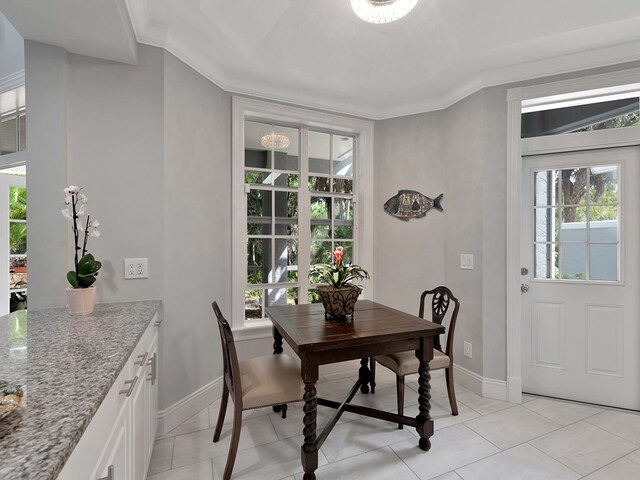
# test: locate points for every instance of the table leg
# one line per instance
(424, 421)
(277, 341)
(365, 375)
(309, 450)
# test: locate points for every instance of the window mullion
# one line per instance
(304, 220)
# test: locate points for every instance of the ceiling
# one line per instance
(318, 53)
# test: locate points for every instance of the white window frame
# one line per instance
(259, 110)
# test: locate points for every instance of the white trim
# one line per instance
(556, 143)
(483, 386)
(184, 409)
(12, 81)
(363, 129)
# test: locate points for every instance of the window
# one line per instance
(302, 186)
(12, 121)
(576, 225)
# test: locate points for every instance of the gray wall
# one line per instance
(115, 151)
(197, 227)
(409, 154)
(11, 49)
(46, 82)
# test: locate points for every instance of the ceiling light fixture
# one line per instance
(275, 140)
(382, 11)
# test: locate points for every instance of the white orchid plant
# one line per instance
(86, 267)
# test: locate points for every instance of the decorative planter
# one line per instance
(80, 301)
(338, 302)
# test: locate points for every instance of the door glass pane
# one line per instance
(545, 185)
(343, 231)
(573, 261)
(603, 230)
(544, 260)
(319, 153)
(603, 184)
(545, 222)
(320, 208)
(321, 229)
(286, 148)
(255, 154)
(603, 260)
(574, 224)
(573, 186)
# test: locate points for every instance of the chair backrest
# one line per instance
(229, 356)
(440, 301)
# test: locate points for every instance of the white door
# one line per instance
(580, 240)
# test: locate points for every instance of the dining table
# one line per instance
(373, 329)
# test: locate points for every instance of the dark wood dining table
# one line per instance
(375, 329)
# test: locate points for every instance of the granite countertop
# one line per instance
(66, 365)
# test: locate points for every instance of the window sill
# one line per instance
(253, 330)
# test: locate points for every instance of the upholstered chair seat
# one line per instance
(270, 380)
(406, 363)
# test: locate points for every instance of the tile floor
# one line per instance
(541, 439)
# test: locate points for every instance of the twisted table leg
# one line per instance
(425, 423)
(365, 375)
(309, 448)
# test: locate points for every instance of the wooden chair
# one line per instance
(406, 363)
(272, 380)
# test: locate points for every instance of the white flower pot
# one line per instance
(80, 301)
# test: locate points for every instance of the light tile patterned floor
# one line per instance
(541, 439)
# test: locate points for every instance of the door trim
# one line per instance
(622, 137)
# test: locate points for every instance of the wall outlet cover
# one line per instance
(136, 268)
(468, 350)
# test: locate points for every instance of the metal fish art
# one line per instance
(407, 204)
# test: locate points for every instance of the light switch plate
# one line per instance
(466, 261)
(468, 350)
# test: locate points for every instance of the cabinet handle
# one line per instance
(154, 372)
(131, 383)
(141, 359)
(109, 474)
(157, 323)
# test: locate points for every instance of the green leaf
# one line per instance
(85, 282)
(73, 279)
(88, 258)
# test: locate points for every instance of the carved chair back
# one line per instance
(440, 302)
(229, 356)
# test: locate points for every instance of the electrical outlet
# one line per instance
(468, 351)
(136, 268)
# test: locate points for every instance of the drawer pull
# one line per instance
(131, 383)
(142, 359)
(153, 363)
(109, 474)
(157, 323)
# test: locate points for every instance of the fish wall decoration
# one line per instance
(407, 204)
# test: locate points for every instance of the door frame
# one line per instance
(625, 80)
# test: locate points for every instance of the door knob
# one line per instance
(524, 287)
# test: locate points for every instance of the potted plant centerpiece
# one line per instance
(336, 291)
(81, 296)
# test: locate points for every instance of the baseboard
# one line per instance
(184, 409)
(485, 387)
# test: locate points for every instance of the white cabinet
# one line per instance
(118, 442)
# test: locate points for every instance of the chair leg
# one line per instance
(284, 411)
(235, 439)
(448, 373)
(400, 389)
(372, 368)
(223, 410)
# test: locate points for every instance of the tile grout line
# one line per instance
(556, 460)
